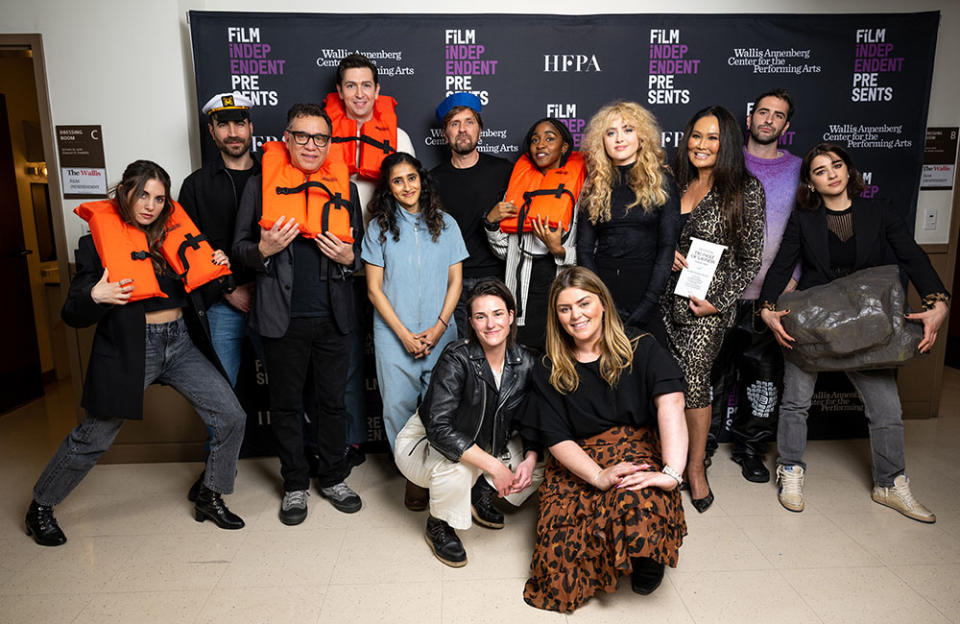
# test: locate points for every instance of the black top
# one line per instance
(594, 406)
(636, 239)
(841, 241)
(468, 195)
(309, 297)
(172, 287)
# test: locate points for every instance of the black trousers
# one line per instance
(750, 356)
(316, 342)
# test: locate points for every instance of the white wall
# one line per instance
(93, 46)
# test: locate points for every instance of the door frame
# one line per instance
(35, 42)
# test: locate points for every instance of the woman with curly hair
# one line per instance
(629, 212)
(720, 202)
(407, 242)
(608, 403)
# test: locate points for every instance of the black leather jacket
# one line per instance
(462, 393)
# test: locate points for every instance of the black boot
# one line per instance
(210, 505)
(481, 500)
(752, 467)
(444, 543)
(646, 575)
(195, 488)
(43, 527)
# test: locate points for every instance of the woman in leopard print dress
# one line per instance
(720, 203)
(610, 409)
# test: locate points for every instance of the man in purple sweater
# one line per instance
(750, 354)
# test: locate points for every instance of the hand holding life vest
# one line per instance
(112, 293)
(503, 210)
(335, 249)
(551, 237)
(276, 238)
(124, 251)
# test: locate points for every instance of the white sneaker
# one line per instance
(790, 494)
(900, 497)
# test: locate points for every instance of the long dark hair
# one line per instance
(807, 197)
(383, 206)
(494, 288)
(562, 130)
(730, 175)
(135, 178)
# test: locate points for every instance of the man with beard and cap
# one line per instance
(470, 184)
(211, 196)
(749, 354)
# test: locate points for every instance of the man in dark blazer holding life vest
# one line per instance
(304, 306)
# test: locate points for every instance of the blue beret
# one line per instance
(457, 99)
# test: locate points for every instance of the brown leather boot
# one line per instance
(416, 498)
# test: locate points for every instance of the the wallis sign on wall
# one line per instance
(862, 81)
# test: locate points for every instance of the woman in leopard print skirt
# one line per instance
(723, 204)
(610, 409)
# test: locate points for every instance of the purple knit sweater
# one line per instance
(780, 177)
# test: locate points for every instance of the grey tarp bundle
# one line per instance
(852, 323)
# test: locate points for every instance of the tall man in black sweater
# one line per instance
(470, 184)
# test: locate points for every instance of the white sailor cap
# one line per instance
(229, 106)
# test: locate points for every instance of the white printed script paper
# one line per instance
(702, 260)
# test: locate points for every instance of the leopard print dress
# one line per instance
(586, 537)
(695, 341)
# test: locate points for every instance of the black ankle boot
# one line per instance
(43, 527)
(646, 575)
(444, 543)
(481, 500)
(210, 505)
(194, 491)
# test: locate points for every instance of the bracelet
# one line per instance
(766, 305)
(670, 472)
(593, 481)
(931, 300)
(443, 321)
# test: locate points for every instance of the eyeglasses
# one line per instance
(302, 138)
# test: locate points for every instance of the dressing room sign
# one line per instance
(82, 165)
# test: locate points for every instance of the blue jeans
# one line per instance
(227, 331)
(881, 405)
(172, 359)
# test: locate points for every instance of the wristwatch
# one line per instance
(670, 472)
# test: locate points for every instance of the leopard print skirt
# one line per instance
(586, 537)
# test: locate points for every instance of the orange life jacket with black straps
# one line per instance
(319, 201)
(551, 195)
(124, 251)
(376, 139)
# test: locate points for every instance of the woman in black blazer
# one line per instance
(139, 342)
(833, 233)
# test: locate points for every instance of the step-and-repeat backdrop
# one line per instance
(861, 81)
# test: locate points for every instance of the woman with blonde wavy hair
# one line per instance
(609, 406)
(629, 212)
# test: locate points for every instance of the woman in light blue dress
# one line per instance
(413, 253)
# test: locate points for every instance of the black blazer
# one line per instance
(270, 314)
(115, 374)
(881, 238)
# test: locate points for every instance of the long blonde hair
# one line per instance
(616, 349)
(646, 174)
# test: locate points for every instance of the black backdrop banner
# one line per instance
(862, 81)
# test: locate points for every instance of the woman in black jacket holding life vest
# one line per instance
(833, 233)
(141, 339)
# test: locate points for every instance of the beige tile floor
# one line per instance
(136, 555)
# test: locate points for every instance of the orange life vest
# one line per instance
(551, 195)
(124, 251)
(376, 139)
(319, 201)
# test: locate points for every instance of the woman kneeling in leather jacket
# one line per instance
(464, 429)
